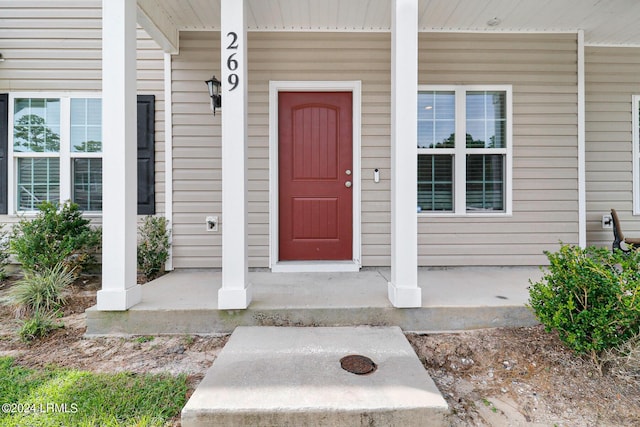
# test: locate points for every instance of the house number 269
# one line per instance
(232, 64)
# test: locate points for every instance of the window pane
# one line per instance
(36, 125)
(436, 119)
(486, 119)
(86, 128)
(485, 182)
(87, 184)
(435, 182)
(38, 181)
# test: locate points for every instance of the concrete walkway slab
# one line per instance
(283, 376)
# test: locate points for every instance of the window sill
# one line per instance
(465, 215)
(33, 214)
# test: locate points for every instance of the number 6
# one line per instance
(232, 64)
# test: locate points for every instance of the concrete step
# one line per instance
(286, 376)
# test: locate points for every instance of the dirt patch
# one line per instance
(523, 376)
(496, 377)
(68, 347)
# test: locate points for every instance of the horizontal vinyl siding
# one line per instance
(272, 56)
(197, 174)
(543, 72)
(541, 68)
(56, 46)
(612, 77)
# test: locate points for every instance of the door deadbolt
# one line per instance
(348, 172)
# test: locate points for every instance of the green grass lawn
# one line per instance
(65, 397)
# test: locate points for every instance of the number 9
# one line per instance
(233, 81)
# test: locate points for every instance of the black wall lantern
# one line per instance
(213, 85)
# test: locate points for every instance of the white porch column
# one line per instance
(403, 287)
(119, 133)
(235, 292)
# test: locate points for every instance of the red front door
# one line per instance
(315, 175)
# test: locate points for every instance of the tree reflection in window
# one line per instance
(32, 134)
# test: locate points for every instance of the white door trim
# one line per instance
(355, 87)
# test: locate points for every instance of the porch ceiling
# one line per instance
(605, 22)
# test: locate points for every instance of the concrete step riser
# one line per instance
(407, 418)
(433, 319)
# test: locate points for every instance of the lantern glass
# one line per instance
(213, 85)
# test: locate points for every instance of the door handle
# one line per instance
(347, 184)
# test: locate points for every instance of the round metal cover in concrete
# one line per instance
(358, 364)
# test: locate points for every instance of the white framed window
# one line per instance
(635, 114)
(55, 148)
(464, 150)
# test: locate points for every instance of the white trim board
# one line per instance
(168, 155)
(355, 87)
(635, 143)
(582, 171)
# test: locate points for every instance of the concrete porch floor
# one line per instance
(185, 302)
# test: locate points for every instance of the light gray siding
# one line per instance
(196, 152)
(541, 68)
(57, 47)
(543, 72)
(272, 56)
(612, 77)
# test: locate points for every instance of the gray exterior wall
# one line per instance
(612, 77)
(543, 71)
(196, 149)
(541, 68)
(57, 47)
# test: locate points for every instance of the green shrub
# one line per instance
(153, 246)
(39, 325)
(41, 291)
(55, 236)
(590, 296)
(4, 253)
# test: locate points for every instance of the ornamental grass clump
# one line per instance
(41, 291)
(38, 297)
(591, 297)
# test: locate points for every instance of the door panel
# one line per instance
(315, 163)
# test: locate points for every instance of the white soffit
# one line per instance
(605, 22)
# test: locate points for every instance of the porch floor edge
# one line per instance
(185, 302)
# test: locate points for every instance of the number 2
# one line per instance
(234, 42)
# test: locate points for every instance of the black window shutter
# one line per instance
(4, 151)
(146, 155)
